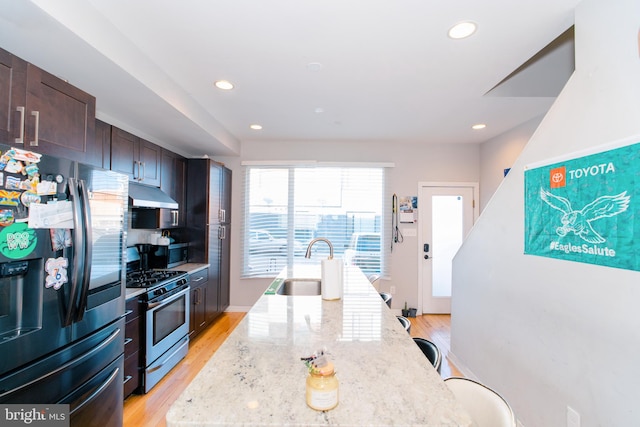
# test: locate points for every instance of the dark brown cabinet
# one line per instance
(198, 316)
(173, 175)
(208, 225)
(45, 114)
(135, 157)
(103, 141)
(225, 243)
(13, 74)
(132, 342)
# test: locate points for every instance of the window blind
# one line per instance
(286, 206)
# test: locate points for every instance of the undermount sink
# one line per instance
(297, 287)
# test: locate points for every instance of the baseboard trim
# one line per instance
(461, 366)
(238, 308)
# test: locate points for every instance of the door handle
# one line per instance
(20, 139)
(144, 171)
(36, 114)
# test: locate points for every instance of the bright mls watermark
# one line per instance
(34, 415)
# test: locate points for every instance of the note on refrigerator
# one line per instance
(51, 215)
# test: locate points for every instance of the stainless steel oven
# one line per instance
(165, 304)
(166, 329)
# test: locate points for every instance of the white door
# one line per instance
(446, 215)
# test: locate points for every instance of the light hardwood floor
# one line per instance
(150, 409)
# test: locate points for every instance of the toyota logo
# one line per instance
(557, 177)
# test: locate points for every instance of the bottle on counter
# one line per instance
(322, 387)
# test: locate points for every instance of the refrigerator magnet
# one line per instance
(9, 198)
(28, 184)
(31, 169)
(17, 240)
(6, 217)
(60, 238)
(29, 197)
(14, 166)
(5, 158)
(12, 183)
(56, 269)
(25, 155)
(46, 188)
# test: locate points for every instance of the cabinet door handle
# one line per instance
(36, 114)
(137, 170)
(222, 232)
(222, 215)
(199, 279)
(20, 139)
(144, 171)
(174, 217)
(127, 340)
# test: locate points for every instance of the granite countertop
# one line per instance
(190, 267)
(257, 378)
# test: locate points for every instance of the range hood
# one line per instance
(144, 196)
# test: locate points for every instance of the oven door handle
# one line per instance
(155, 304)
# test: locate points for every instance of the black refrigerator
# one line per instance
(62, 243)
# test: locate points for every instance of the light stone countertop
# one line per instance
(257, 378)
(190, 267)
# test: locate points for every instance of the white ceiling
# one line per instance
(388, 70)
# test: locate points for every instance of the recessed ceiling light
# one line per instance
(255, 127)
(479, 126)
(319, 110)
(224, 84)
(462, 30)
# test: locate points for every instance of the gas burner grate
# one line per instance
(148, 278)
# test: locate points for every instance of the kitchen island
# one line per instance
(257, 377)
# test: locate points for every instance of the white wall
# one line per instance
(548, 333)
(500, 153)
(413, 163)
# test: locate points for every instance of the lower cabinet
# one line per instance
(199, 282)
(132, 342)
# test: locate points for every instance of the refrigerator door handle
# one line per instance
(97, 391)
(78, 252)
(87, 249)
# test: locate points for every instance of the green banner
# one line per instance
(584, 209)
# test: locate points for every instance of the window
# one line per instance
(285, 207)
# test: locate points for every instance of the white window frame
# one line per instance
(384, 220)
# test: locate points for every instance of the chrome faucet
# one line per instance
(318, 239)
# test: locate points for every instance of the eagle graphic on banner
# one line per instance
(579, 221)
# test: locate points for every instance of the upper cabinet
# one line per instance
(135, 157)
(172, 181)
(103, 141)
(43, 113)
(13, 73)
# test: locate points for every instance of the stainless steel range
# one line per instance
(165, 303)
